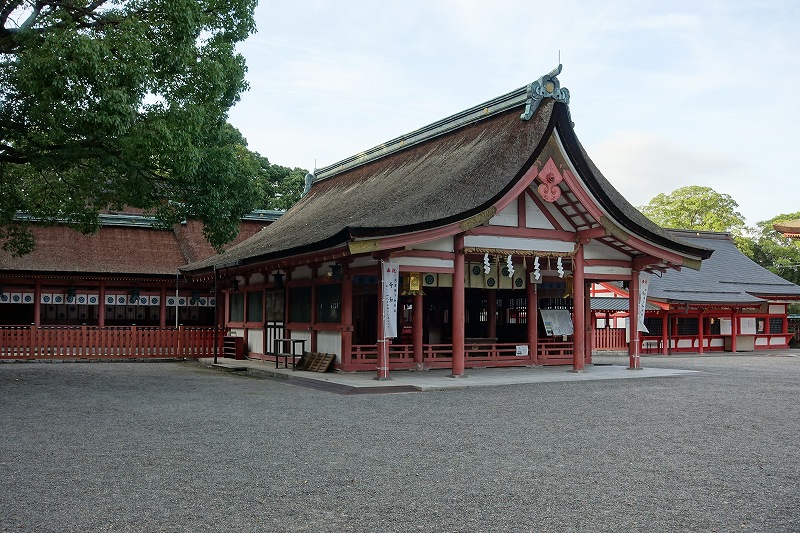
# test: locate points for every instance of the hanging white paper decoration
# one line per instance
(486, 266)
(510, 266)
(536, 273)
(560, 268)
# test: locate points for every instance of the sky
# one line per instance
(663, 94)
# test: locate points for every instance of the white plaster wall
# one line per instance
(423, 262)
(439, 245)
(255, 341)
(534, 218)
(506, 217)
(598, 250)
(517, 243)
(778, 309)
(616, 271)
(330, 342)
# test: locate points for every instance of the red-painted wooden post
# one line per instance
(532, 317)
(382, 368)
(347, 319)
(491, 311)
(578, 310)
(162, 308)
(664, 332)
(458, 307)
(700, 332)
(634, 347)
(589, 324)
(179, 348)
(101, 305)
(416, 327)
(32, 341)
(734, 329)
(37, 303)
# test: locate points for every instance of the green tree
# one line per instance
(111, 103)
(774, 251)
(696, 207)
(700, 208)
(279, 187)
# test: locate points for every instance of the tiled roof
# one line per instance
(603, 303)
(728, 276)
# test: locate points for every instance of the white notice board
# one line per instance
(556, 321)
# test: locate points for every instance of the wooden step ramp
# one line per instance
(316, 361)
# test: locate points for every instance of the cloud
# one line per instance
(641, 165)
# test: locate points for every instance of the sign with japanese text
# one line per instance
(644, 284)
(391, 282)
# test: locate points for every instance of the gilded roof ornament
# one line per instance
(547, 86)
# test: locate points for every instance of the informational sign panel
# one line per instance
(391, 282)
(556, 321)
(644, 284)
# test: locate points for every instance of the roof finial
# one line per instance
(547, 86)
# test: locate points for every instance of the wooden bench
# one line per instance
(316, 361)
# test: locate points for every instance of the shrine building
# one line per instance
(493, 222)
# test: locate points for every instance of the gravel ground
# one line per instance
(176, 447)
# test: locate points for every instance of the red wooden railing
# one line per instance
(610, 339)
(364, 357)
(114, 342)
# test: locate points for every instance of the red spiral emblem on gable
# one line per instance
(549, 189)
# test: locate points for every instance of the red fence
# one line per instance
(610, 339)
(115, 342)
(401, 356)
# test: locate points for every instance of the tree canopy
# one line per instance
(279, 187)
(105, 104)
(776, 252)
(696, 207)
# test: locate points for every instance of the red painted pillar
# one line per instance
(37, 303)
(314, 310)
(347, 320)
(458, 307)
(664, 332)
(162, 311)
(634, 348)
(700, 339)
(532, 317)
(383, 346)
(417, 330)
(491, 312)
(578, 311)
(734, 329)
(590, 321)
(101, 305)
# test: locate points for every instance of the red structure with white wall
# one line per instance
(497, 222)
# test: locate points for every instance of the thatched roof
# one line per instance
(440, 174)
